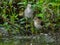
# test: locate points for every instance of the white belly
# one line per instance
(38, 26)
(28, 13)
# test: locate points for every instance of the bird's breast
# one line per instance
(28, 13)
(37, 25)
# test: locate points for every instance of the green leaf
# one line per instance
(40, 15)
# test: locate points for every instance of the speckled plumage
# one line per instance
(37, 23)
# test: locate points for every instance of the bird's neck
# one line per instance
(28, 8)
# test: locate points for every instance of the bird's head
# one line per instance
(37, 19)
(29, 5)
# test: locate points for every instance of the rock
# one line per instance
(46, 38)
(3, 31)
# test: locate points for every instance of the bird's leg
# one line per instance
(32, 27)
(26, 25)
(36, 31)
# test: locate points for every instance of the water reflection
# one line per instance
(32, 41)
(22, 42)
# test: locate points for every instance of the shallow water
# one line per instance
(24, 41)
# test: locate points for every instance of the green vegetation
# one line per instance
(12, 15)
(13, 23)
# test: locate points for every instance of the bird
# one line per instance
(28, 13)
(38, 23)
